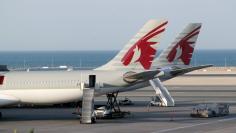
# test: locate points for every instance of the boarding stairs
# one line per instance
(162, 92)
(87, 106)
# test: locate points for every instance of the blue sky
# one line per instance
(109, 24)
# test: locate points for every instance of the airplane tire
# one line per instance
(93, 120)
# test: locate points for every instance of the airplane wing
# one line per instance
(181, 71)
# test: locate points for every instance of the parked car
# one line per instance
(126, 101)
(103, 112)
(210, 110)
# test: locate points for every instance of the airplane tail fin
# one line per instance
(140, 51)
(181, 50)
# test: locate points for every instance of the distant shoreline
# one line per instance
(95, 58)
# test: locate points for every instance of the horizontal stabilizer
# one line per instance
(143, 76)
(187, 70)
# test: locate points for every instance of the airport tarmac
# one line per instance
(155, 120)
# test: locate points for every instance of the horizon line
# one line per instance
(93, 50)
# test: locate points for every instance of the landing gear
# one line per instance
(0, 115)
(78, 109)
(112, 102)
(113, 105)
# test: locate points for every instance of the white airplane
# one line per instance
(132, 68)
(52, 87)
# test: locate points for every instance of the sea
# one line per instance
(93, 59)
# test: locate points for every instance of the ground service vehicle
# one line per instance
(210, 110)
(103, 112)
(126, 101)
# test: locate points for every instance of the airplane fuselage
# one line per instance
(51, 87)
(44, 87)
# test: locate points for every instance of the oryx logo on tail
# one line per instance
(139, 52)
(142, 51)
(184, 48)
